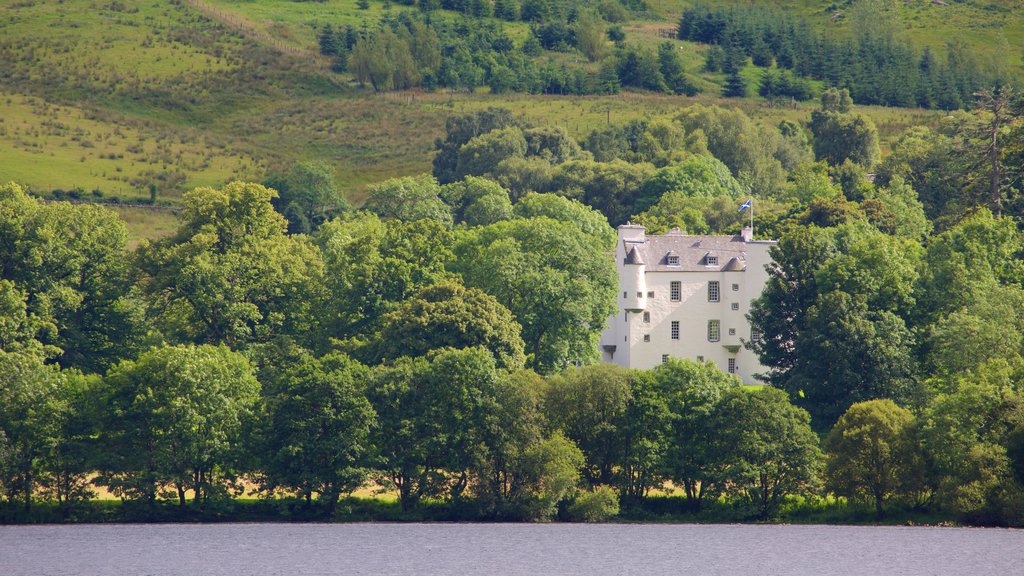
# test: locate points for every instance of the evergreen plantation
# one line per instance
(367, 259)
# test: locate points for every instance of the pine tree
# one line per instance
(735, 86)
(328, 41)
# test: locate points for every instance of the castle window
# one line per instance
(647, 337)
(710, 260)
(676, 291)
(664, 358)
(650, 294)
(647, 316)
(735, 305)
(675, 330)
(732, 365)
(732, 331)
(713, 291)
(755, 335)
(735, 287)
(673, 260)
(714, 330)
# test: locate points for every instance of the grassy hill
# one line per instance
(118, 97)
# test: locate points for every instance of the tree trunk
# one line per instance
(182, 502)
(28, 491)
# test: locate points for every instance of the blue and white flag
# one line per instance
(746, 205)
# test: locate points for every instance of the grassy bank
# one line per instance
(663, 509)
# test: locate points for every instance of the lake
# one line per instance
(507, 549)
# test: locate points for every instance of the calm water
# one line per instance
(513, 549)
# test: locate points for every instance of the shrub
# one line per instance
(600, 505)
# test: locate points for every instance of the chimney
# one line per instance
(747, 234)
(631, 233)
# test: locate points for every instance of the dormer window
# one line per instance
(710, 260)
(673, 260)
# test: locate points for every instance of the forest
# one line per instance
(286, 353)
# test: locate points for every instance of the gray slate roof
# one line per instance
(692, 252)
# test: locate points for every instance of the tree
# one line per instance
(610, 187)
(307, 196)
(983, 140)
(372, 266)
(747, 149)
(588, 220)
(230, 274)
(434, 416)
(553, 277)
(483, 153)
(692, 390)
(701, 175)
(873, 453)
(450, 316)
(477, 201)
(315, 429)
(841, 136)
(671, 67)
(964, 435)
(461, 129)
(64, 281)
(588, 405)
(590, 36)
(769, 446)
(849, 353)
(832, 317)
(31, 410)
(174, 418)
(408, 199)
(735, 85)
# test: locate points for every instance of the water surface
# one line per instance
(507, 549)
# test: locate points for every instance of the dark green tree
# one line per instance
(314, 435)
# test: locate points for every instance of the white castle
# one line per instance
(687, 297)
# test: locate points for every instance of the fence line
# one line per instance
(247, 29)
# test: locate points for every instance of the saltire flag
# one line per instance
(746, 205)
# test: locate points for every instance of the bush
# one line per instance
(600, 505)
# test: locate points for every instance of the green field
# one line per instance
(116, 96)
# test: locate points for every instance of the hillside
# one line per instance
(117, 100)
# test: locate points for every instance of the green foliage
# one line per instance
(551, 275)
(588, 220)
(692, 391)
(873, 454)
(434, 415)
(315, 433)
(834, 327)
(64, 284)
(610, 187)
(665, 198)
(307, 196)
(482, 154)
(964, 437)
(748, 150)
(230, 274)
(878, 66)
(589, 404)
(599, 505)
(839, 137)
(773, 452)
(449, 316)
(31, 410)
(174, 420)
(371, 266)
(408, 199)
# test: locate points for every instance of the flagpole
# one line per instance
(751, 217)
